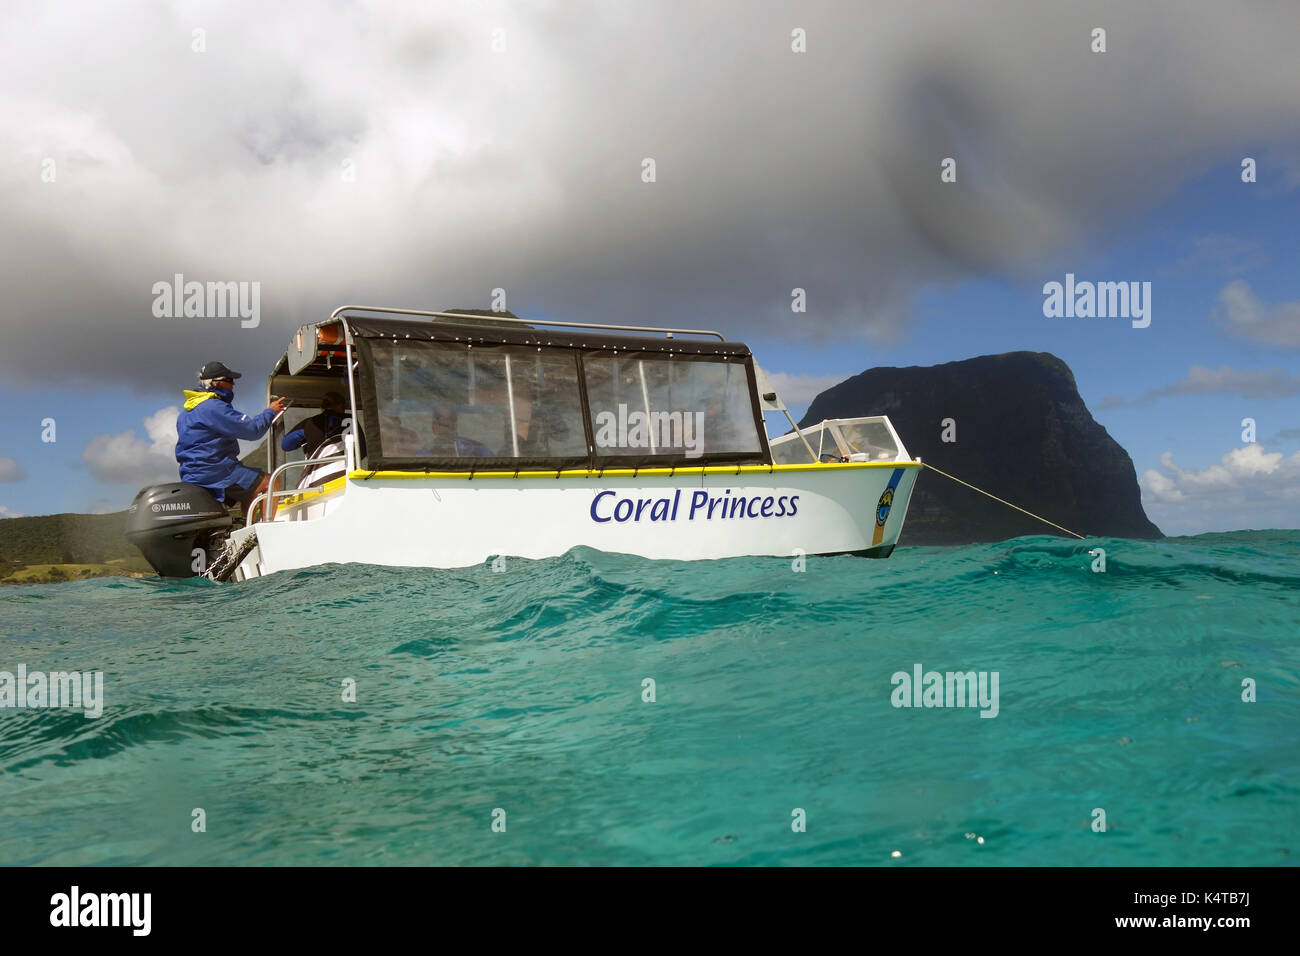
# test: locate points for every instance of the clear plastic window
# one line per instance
(790, 450)
(871, 438)
(437, 400)
(673, 407)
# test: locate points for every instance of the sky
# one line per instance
(424, 155)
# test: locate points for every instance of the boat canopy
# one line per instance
(480, 331)
(478, 395)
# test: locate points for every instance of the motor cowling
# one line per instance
(169, 522)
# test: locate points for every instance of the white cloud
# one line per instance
(6, 513)
(1222, 253)
(1262, 384)
(521, 169)
(801, 389)
(1242, 314)
(1247, 488)
(11, 470)
(125, 459)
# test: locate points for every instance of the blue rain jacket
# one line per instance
(208, 433)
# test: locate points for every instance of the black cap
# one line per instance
(217, 370)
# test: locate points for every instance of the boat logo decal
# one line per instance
(882, 508)
(883, 505)
(172, 506)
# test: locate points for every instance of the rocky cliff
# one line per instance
(1022, 432)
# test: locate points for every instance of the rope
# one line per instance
(1000, 500)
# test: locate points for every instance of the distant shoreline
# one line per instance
(48, 549)
(62, 573)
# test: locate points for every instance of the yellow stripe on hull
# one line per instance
(364, 475)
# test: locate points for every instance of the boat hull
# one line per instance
(451, 521)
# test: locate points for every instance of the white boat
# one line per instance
(474, 436)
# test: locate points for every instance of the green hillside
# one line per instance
(66, 546)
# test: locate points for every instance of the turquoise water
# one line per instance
(523, 691)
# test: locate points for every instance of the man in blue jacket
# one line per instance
(208, 433)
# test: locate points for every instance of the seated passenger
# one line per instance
(314, 476)
(720, 431)
(313, 432)
(446, 443)
(540, 427)
(542, 431)
(401, 442)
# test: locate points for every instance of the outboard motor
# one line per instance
(168, 522)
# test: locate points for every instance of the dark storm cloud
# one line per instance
(476, 169)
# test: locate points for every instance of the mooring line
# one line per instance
(926, 464)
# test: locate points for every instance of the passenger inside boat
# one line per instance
(718, 430)
(450, 402)
(446, 443)
(541, 429)
(315, 431)
(431, 402)
(401, 442)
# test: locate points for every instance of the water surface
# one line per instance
(523, 691)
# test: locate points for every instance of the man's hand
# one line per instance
(279, 405)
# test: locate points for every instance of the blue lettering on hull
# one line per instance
(703, 506)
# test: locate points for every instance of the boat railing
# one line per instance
(462, 316)
(266, 500)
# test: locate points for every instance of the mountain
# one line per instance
(1022, 433)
